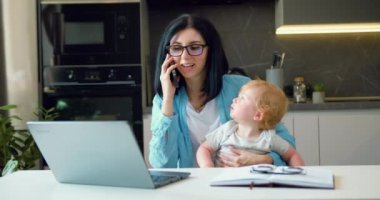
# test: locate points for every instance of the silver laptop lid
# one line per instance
(92, 152)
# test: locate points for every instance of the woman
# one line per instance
(184, 113)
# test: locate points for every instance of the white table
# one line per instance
(351, 182)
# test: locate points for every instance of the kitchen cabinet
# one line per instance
(351, 138)
(304, 127)
(344, 137)
(336, 137)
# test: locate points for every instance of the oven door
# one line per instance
(99, 104)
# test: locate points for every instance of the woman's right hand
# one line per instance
(168, 87)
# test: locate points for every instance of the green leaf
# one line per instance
(50, 110)
(29, 141)
(8, 107)
(319, 87)
(15, 145)
(15, 117)
(19, 144)
(13, 151)
(18, 139)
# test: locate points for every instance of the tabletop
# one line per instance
(351, 182)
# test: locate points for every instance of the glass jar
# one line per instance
(299, 90)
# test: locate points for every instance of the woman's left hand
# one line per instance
(243, 158)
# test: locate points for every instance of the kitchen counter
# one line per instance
(349, 105)
(309, 106)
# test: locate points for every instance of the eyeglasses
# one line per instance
(271, 169)
(192, 49)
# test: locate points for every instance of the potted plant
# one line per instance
(17, 147)
(318, 93)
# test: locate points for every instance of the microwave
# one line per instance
(77, 33)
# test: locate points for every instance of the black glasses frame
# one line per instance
(187, 49)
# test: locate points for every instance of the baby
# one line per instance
(255, 112)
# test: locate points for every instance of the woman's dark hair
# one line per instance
(216, 61)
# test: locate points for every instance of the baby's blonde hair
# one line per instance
(271, 101)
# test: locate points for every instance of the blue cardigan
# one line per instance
(171, 146)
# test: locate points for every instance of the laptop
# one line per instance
(97, 153)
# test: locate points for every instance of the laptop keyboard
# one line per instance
(163, 180)
(157, 178)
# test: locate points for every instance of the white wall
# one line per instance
(20, 42)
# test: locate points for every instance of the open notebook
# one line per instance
(247, 176)
(96, 153)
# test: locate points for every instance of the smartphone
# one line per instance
(173, 76)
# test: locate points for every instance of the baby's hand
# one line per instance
(226, 150)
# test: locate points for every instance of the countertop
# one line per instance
(351, 182)
(343, 105)
(309, 106)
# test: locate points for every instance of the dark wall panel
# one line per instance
(348, 64)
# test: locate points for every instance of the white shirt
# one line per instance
(226, 136)
(201, 123)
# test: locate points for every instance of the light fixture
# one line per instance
(327, 16)
(328, 28)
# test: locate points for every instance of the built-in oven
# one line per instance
(121, 103)
(80, 33)
(96, 93)
(89, 60)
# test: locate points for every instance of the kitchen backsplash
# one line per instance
(348, 64)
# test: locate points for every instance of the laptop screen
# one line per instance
(92, 152)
